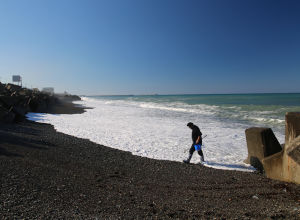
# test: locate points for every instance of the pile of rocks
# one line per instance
(16, 102)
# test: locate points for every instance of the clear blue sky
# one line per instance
(152, 46)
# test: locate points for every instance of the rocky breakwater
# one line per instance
(16, 102)
(281, 162)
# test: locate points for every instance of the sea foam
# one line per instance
(156, 130)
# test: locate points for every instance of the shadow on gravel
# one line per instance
(22, 140)
(19, 128)
(8, 154)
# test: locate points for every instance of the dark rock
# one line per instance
(19, 112)
(16, 102)
(73, 97)
(8, 101)
(42, 105)
(6, 116)
(25, 92)
(12, 87)
(33, 103)
(68, 98)
(2, 88)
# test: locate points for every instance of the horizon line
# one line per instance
(181, 94)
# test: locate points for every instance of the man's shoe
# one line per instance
(188, 159)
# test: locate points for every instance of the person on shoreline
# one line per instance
(197, 142)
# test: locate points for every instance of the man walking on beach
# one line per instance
(197, 142)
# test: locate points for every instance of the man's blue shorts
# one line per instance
(197, 147)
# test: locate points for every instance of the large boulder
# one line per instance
(8, 100)
(2, 88)
(42, 105)
(6, 116)
(24, 92)
(33, 103)
(72, 97)
(19, 112)
(41, 102)
(12, 87)
(67, 97)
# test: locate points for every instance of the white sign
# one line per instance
(16, 78)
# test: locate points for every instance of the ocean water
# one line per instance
(154, 126)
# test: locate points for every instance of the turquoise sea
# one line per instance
(266, 110)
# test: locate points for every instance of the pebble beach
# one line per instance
(46, 174)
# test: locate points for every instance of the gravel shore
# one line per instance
(49, 175)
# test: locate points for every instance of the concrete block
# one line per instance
(266, 154)
(293, 150)
(273, 166)
(292, 126)
(261, 143)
